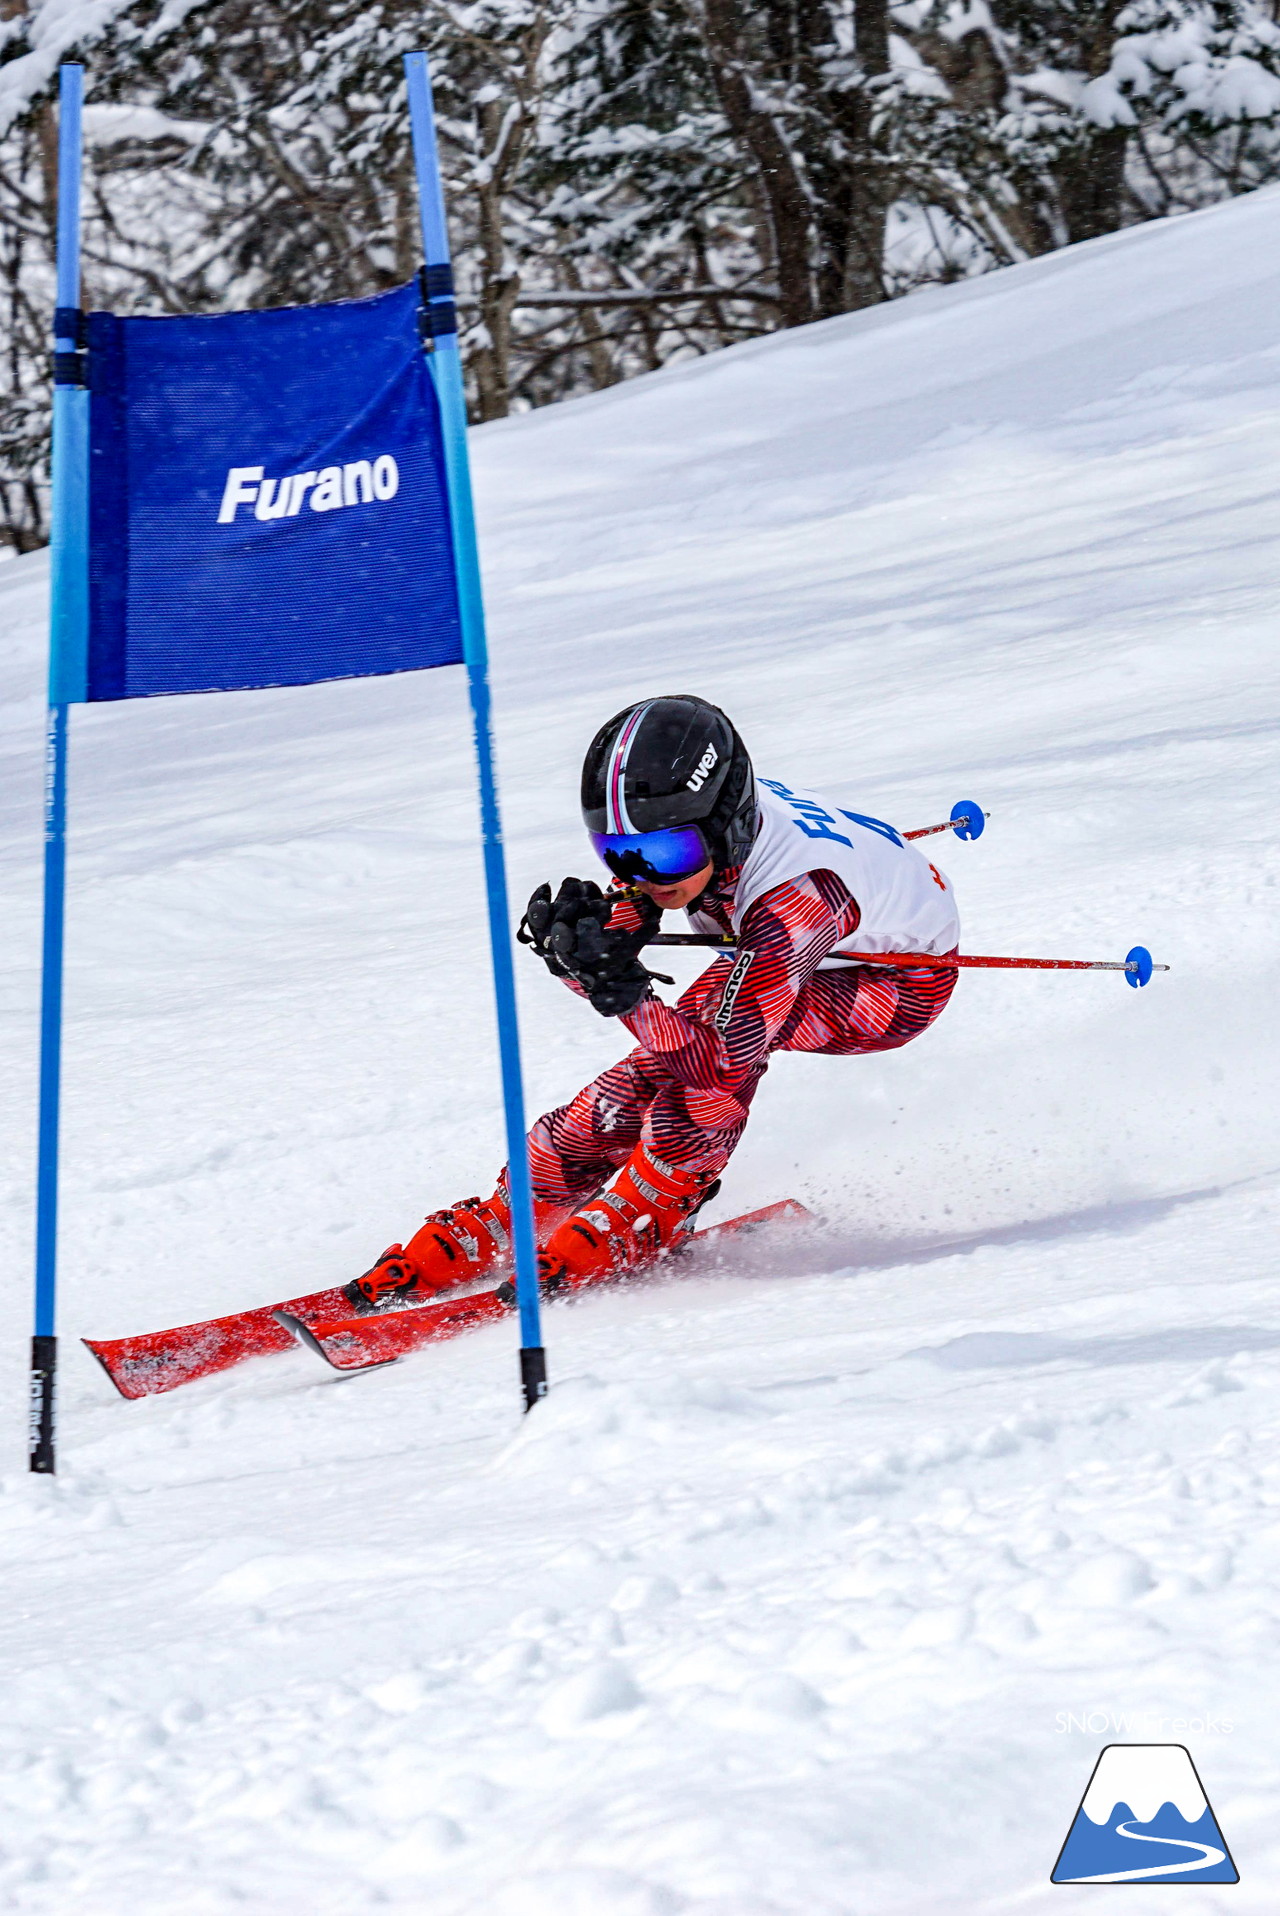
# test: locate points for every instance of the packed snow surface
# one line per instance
(823, 1575)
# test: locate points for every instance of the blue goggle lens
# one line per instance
(658, 858)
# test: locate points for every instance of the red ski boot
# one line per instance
(454, 1247)
(647, 1212)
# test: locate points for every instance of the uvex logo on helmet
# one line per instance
(666, 763)
(705, 763)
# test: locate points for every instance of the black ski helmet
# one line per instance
(665, 763)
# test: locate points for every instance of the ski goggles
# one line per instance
(656, 858)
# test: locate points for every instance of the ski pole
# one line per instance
(1137, 966)
(967, 820)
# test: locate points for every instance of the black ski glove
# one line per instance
(568, 933)
(544, 914)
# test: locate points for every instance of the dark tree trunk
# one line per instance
(594, 337)
(850, 186)
(1091, 182)
(1092, 185)
(491, 362)
(758, 134)
(869, 191)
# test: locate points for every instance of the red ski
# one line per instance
(366, 1343)
(157, 1361)
(161, 1360)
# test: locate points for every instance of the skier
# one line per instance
(677, 815)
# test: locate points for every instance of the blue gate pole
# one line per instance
(68, 647)
(446, 372)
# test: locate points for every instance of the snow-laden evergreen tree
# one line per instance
(1059, 120)
(628, 180)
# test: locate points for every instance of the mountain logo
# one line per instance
(1144, 1819)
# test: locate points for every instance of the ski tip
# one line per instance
(785, 1208)
(1138, 967)
(99, 1351)
(973, 815)
(309, 1341)
(299, 1332)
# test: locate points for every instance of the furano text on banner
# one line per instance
(268, 499)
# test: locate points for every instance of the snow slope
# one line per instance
(791, 1599)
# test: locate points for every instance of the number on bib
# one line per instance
(874, 825)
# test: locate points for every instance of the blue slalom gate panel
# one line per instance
(268, 500)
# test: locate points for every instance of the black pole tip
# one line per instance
(44, 1365)
(533, 1374)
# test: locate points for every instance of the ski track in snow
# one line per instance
(775, 1607)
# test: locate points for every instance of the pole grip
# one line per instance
(40, 1405)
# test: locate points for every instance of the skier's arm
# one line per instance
(725, 1024)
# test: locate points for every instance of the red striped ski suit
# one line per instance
(686, 1089)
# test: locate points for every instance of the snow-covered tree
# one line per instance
(1059, 120)
(628, 180)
